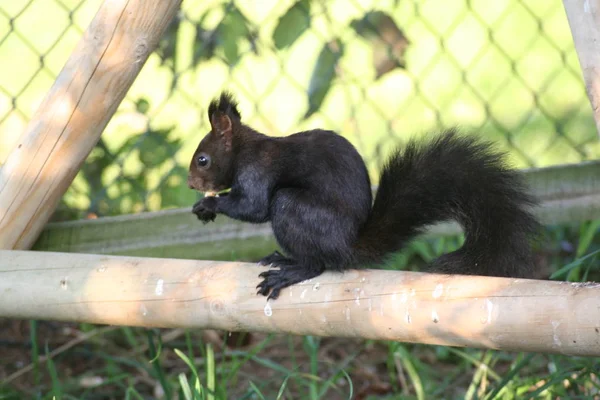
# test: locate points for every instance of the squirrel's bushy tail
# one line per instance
(453, 177)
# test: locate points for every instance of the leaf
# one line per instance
(155, 148)
(508, 376)
(407, 361)
(323, 75)
(386, 39)
(142, 105)
(56, 384)
(131, 191)
(185, 386)
(587, 233)
(256, 390)
(167, 46)
(128, 146)
(204, 45)
(198, 390)
(282, 387)
(99, 159)
(93, 170)
(423, 249)
(573, 264)
(210, 371)
(292, 24)
(174, 191)
(205, 42)
(233, 27)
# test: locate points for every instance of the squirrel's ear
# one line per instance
(222, 127)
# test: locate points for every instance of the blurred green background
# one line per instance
(377, 72)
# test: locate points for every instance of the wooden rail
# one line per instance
(567, 193)
(453, 310)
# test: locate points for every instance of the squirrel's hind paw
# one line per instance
(287, 274)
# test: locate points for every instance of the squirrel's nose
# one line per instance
(190, 183)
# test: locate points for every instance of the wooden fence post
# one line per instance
(584, 20)
(74, 113)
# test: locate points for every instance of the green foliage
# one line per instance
(197, 392)
(223, 39)
(137, 167)
(233, 29)
(143, 171)
(508, 70)
(137, 363)
(292, 24)
(323, 74)
(167, 45)
(56, 384)
(386, 40)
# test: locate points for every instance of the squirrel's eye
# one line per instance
(203, 160)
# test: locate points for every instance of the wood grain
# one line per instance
(584, 21)
(482, 312)
(74, 113)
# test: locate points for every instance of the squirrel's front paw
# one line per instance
(206, 216)
(205, 209)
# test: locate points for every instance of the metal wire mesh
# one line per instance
(375, 72)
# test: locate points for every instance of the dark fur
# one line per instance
(314, 188)
(225, 104)
(453, 177)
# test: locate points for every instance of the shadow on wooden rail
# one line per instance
(472, 311)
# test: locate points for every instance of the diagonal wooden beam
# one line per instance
(74, 113)
(584, 21)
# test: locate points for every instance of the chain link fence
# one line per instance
(377, 72)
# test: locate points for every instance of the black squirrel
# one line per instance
(314, 188)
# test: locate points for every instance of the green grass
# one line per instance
(83, 361)
(517, 82)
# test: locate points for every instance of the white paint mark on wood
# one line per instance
(490, 308)
(159, 287)
(437, 292)
(404, 297)
(268, 310)
(555, 338)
